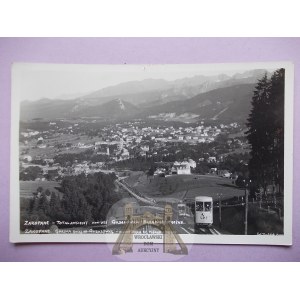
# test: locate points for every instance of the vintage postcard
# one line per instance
(154, 154)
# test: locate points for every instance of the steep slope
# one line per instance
(154, 96)
(131, 87)
(230, 103)
(152, 92)
(53, 109)
(46, 108)
(114, 109)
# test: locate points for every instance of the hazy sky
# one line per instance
(35, 81)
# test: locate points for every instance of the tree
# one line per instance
(265, 133)
(151, 171)
(31, 173)
(84, 198)
(55, 210)
(277, 95)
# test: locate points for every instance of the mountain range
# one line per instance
(206, 97)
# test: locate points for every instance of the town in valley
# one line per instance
(82, 160)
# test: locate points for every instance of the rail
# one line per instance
(143, 199)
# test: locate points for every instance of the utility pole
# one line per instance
(246, 211)
(246, 205)
(274, 195)
(260, 197)
(220, 210)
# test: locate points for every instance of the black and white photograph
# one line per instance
(167, 153)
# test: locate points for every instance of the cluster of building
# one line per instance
(118, 142)
(54, 171)
(132, 133)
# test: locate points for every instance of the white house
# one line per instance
(181, 168)
(211, 159)
(27, 157)
(145, 148)
(192, 163)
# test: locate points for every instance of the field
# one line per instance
(259, 220)
(27, 188)
(184, 186)
(50, 151)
